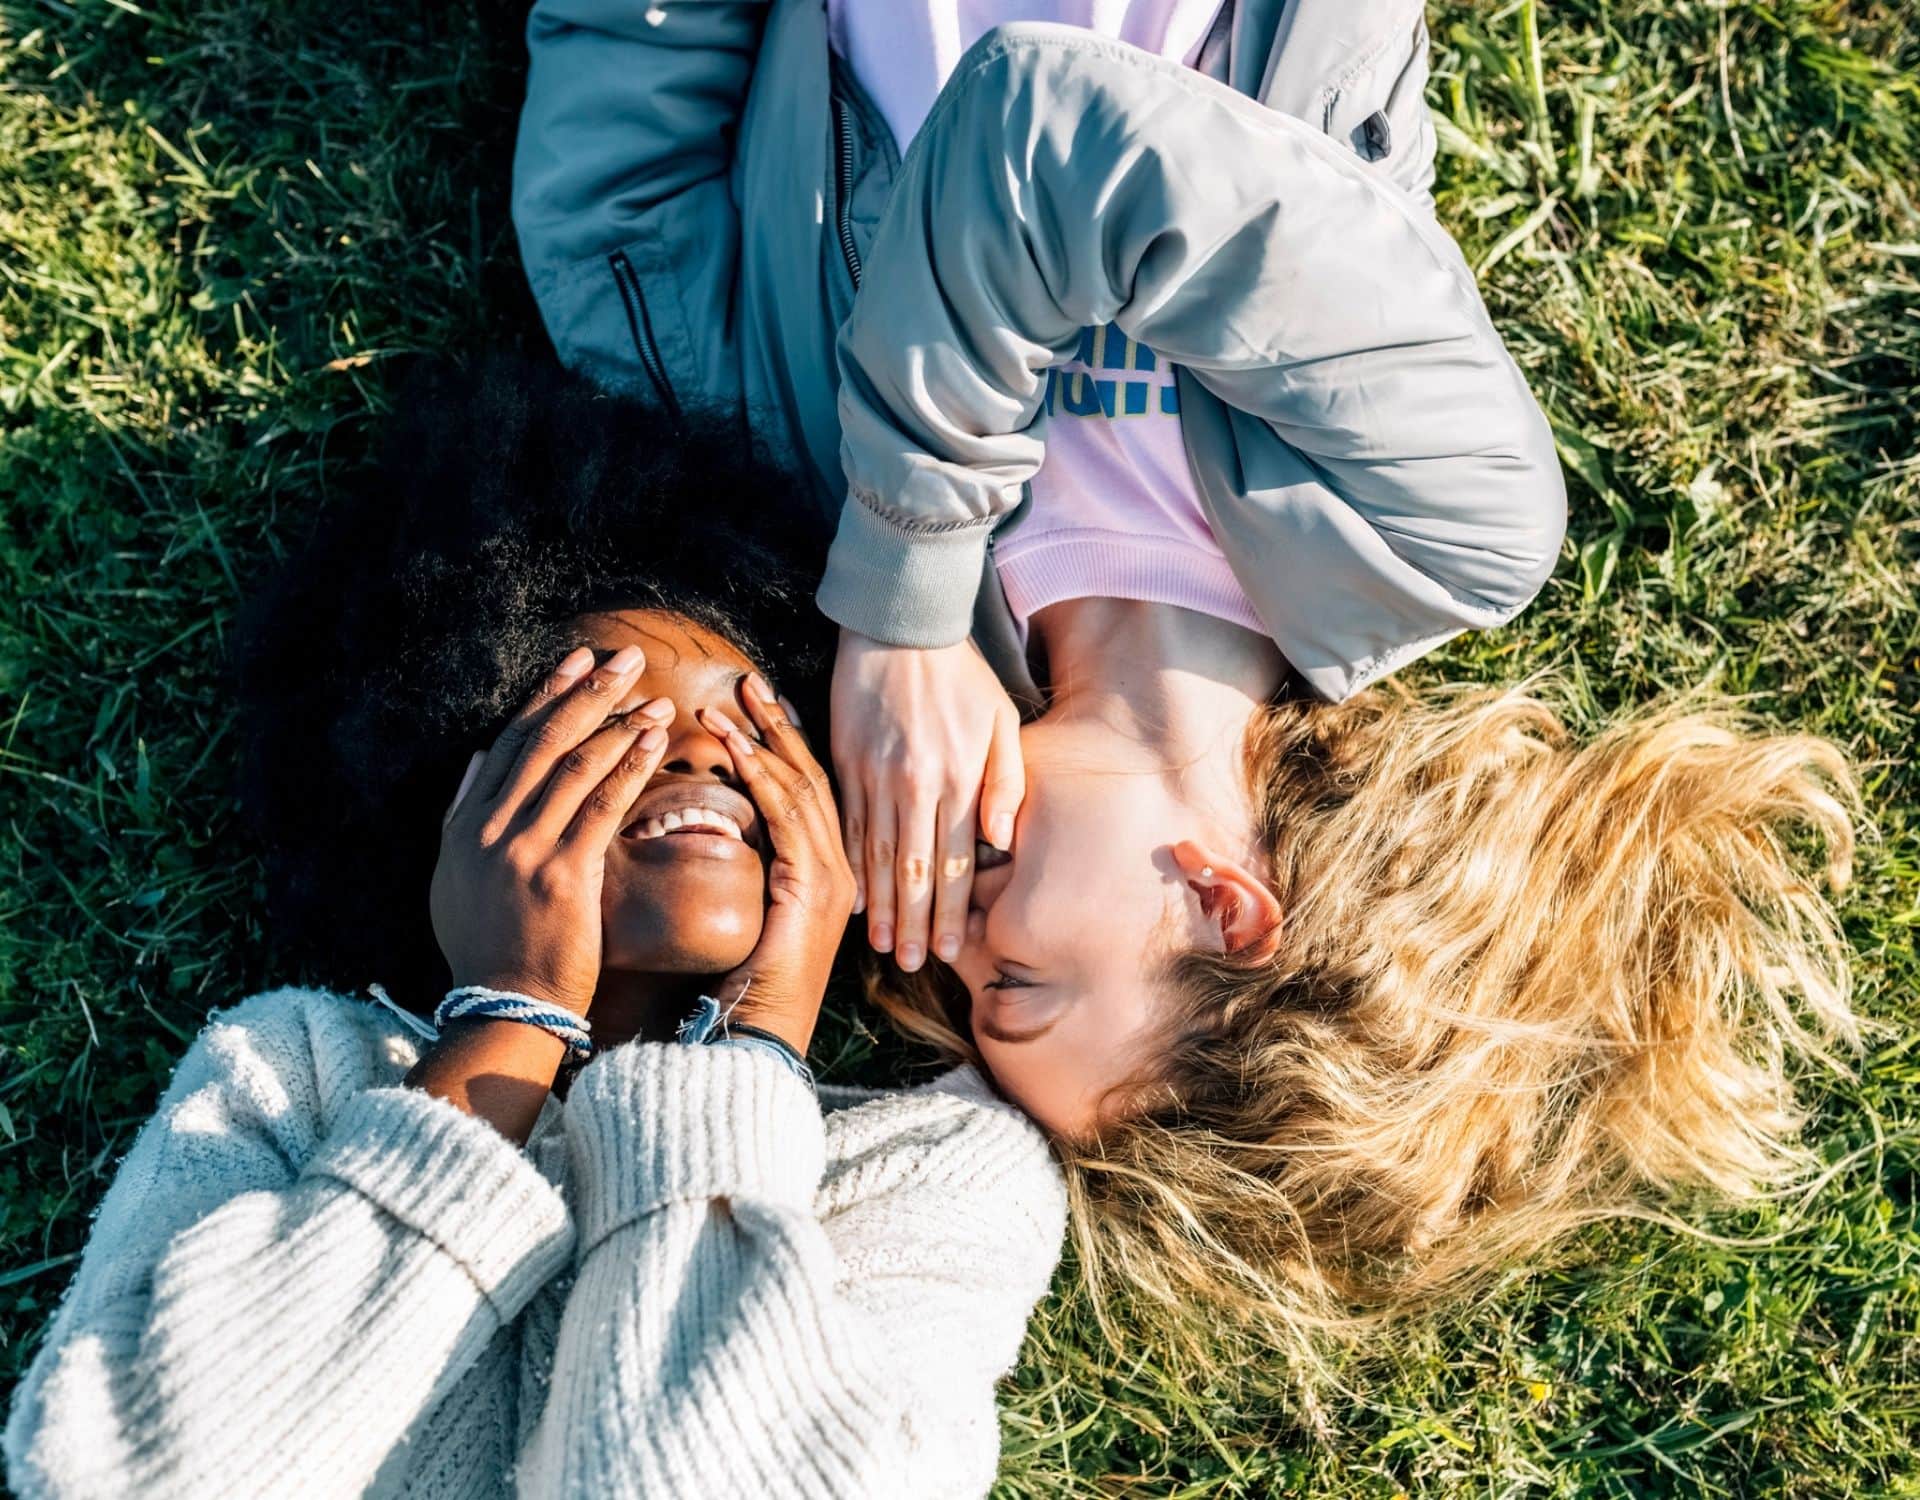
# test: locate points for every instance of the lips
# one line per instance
(693, 809)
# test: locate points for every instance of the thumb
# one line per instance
(1004, 786)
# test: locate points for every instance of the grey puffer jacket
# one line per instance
(705, 198)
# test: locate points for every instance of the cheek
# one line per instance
(1046, 1082)
(704, 918)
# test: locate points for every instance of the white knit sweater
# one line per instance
(307, 1280)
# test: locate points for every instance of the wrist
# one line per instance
(518, 982)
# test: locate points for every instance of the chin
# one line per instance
(690, 947)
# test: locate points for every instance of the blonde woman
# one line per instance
(1331, 1005)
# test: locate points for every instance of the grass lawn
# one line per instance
(224, 226)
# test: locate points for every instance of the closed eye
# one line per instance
(1004, 981)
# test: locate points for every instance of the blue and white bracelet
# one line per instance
(475, 1002)
(709, 1026)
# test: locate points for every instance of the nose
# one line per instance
(696, 755)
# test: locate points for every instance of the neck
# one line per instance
(1176, 675)
(646, 1006)
(1180, 685)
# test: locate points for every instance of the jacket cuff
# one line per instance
(907, 587)
(456, 1181)
(653, 1123)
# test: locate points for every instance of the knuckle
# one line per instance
(549, 734)
(914, 871)
(550, 880)
(881, 855)
(523, 861)
(576, 762)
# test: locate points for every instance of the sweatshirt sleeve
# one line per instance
(726, 1337)
(289, 1269)
(1392, 458)
(621, 194)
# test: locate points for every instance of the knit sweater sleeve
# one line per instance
(738, 1326)
(292, 1264)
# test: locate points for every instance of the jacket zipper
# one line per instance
(843, 190)
(641, 327)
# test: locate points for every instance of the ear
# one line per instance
(1233, 898)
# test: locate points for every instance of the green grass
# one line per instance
(223, 226)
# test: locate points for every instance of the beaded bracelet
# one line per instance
(475, 1002)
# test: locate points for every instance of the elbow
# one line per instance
(1540, 521)
(1527, 522)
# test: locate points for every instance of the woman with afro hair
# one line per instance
(510, 738)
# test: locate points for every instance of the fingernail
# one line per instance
(729, 731)
(910, 956)
(653, 739)
(626, 659)
(882, 938)
(758, 685)
(658, 709)
(859, 901)
(574, 663)
(787, 708)
(948, 948)
(1000, 835)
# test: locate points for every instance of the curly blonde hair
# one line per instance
(1526, 982)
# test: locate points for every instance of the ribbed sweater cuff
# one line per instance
(905, 586)
(456, 1181)
(654, 1123)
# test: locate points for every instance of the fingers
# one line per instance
(506, 749)
(584, 769)
(1004, 785)
(466, 783)
(953, 882)
(554, 730)
(882, 835)
(919, 829)
(790, 807)
(853, 825)
(603, 811)
(772, 717)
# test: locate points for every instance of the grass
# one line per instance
(225, 225)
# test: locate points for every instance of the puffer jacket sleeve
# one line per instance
(621, 192)
(1397, 482)
(293, 1264)
(742, 1325)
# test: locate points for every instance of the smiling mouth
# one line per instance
(691, 820)
(703, 810)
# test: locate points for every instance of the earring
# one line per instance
(1206, 872)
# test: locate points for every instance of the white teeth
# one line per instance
(702, 818)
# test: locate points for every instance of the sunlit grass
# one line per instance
(224, 225)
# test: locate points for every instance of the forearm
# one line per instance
(497, 1071)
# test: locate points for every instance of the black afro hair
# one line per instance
(512, 498)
